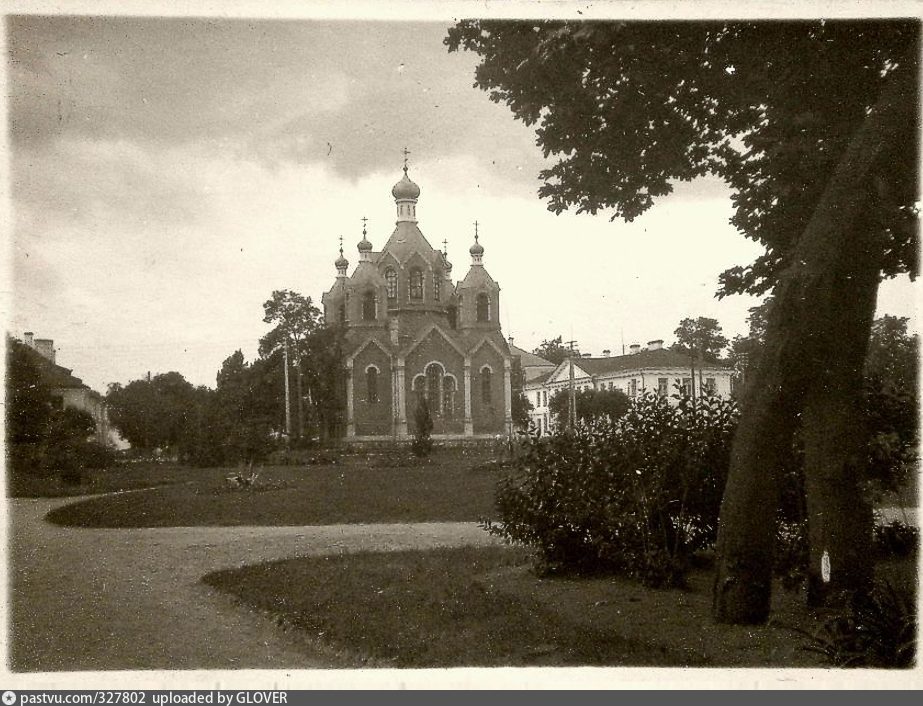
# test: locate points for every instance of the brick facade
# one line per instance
(413, 334)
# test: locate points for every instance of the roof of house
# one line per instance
(538, 380)
(527, 359)
(53, 375)
(661, 358)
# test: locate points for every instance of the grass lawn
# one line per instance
(366, 487)
(121, 477)
(483, 607)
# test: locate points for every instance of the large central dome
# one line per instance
(405, 189)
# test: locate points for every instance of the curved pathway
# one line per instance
(98, 599)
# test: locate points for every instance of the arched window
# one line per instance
(437, 286)
(391, 283)
(448, 397)
(434, 388)
(371, 381)
(342, 312)
(368, 306)
(453, 317)
(483, 307)
(485, 385)
(416, 283)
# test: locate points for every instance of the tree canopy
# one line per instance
(814, 127)
(627, 109)
(151, 413)
(553, 350)
(701, 336)
(294, 318)
(590, 404)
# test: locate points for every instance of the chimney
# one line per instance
(45, 346)
(27, 337)
(510, 340)
(634, 348)
(606, 353)
(655, 345)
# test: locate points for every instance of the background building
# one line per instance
(66, 390)
(652, 369)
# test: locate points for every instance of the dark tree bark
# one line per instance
(817, 327)
(839, 516)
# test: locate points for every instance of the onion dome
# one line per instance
(405, 189)
(341, 262)
(477, 249)
(364, 246)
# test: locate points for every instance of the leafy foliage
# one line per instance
(315, 350)
(520, 406)
(890, 403)
(897, 539)
(591, 404)
(554, 350)
(701, 336)
(152, 413)
(629, 108)
(28, 401)
(44, 439)
(635, 496)
(879, 629)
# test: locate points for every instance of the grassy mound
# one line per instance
(483, 607)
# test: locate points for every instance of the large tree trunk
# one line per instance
(802, 341)
(839, 515)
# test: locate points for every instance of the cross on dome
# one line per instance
(406, 152)
(341, 262)
(476, 250)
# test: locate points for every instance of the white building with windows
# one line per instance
(651, 369)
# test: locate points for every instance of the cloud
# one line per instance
(347, 94)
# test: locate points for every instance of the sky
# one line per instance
(168, 174)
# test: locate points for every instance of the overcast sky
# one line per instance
(168, 174)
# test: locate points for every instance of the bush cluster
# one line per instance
(877, 629)
(635, 496)
(62, 448)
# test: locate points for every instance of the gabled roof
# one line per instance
(540, 379)
(528, 360)
(53, 375)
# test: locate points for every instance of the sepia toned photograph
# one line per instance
(427, 340)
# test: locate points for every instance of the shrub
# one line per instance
(896, 539)
(422, 429)
(635, 496)
(878, 629)
(791, 556)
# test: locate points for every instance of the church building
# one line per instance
(413, 334)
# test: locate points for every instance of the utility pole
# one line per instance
(572, 398)
(288, 402)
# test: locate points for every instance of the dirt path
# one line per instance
(97, 599)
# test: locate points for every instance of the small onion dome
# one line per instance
(446, 265)
(477, 249)
(341, 262)
(364, 244)
(405, 189)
